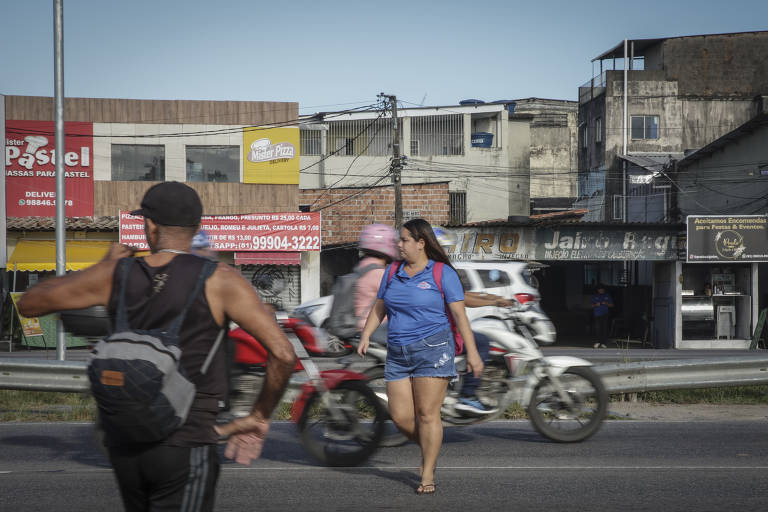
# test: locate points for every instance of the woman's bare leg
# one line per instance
(401, 407)
(428, 395)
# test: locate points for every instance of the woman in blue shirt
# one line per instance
(420, 345)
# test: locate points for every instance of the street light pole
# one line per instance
(58, 79)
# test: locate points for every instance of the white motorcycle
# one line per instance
(565, 399)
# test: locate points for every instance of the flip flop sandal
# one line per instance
(426, 489)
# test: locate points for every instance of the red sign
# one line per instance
(297, 232)
(30, 169)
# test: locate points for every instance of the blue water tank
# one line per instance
(471, 102)
(509, 103)
(481, 140)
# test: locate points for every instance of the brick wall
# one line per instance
(354, 208)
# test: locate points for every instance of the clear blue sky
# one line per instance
(326, 54)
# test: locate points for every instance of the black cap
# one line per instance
(171, 204)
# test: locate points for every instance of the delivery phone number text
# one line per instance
(270, 243)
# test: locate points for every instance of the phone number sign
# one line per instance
(281, 232)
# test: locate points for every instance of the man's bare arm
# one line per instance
(76, 290)
(233, 297)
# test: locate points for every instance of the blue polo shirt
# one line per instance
(415, 307)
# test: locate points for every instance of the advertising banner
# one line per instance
(30, 169)
(297, 231)
(566, 243)
(271, 155)
(490, 244)
(727, 238)
(560, 244)
(30, 326)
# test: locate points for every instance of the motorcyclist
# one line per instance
(378, 246)
(201, 246)
(468, 401)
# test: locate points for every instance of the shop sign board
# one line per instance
(271, 155)
(561, 244)
(571, 243)
(30, 326)
(293, 231)
(30, 169)
(490, 244)
(727, 238)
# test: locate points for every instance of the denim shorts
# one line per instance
(429, 357)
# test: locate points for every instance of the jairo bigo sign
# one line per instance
(723, 238)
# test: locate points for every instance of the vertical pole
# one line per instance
(58, 79)
(396, 166)
(323, 151)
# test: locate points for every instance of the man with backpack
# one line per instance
(149, 299)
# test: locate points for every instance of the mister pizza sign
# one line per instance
(30, 169)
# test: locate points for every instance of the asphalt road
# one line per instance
(627, 465)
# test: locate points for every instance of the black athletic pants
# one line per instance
(166, 478)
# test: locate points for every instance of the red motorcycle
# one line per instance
(340, 419)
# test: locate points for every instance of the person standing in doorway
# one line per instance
(602, 302)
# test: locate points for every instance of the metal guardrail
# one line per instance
(70, 376)
(37, 375)
(684, 374)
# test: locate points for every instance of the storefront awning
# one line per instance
(40, 255)
(267, 258)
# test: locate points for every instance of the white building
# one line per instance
(482, 149)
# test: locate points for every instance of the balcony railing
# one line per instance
(592, 88)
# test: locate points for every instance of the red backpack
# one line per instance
(437, 275)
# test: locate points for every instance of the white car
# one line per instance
(509, 279)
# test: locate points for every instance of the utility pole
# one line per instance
(58, 79)
(396, 166)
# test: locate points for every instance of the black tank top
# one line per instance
(154, 297)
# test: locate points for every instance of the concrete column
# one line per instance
(310, 275)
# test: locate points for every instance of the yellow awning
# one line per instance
(40, 255)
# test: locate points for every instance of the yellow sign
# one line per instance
(271, 155)
(31, 326)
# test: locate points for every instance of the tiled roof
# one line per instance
(106, 223)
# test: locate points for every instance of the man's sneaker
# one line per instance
(474, 406)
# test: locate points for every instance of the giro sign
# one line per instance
(30, 169)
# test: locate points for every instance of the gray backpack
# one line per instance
(140, 389)
(342, 321)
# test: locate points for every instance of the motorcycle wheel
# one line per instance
(391, 437)
(554, 420)
(350, 438)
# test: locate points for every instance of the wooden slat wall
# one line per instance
(103, 110)
(218, 198)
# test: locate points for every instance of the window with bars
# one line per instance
(309, 142)
(361, 137)
(438, 135)
(458, 207)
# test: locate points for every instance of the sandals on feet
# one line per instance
(426, 489)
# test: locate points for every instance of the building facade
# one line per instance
(241, 157)
(481, 149)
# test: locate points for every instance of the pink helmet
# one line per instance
(379, 238)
